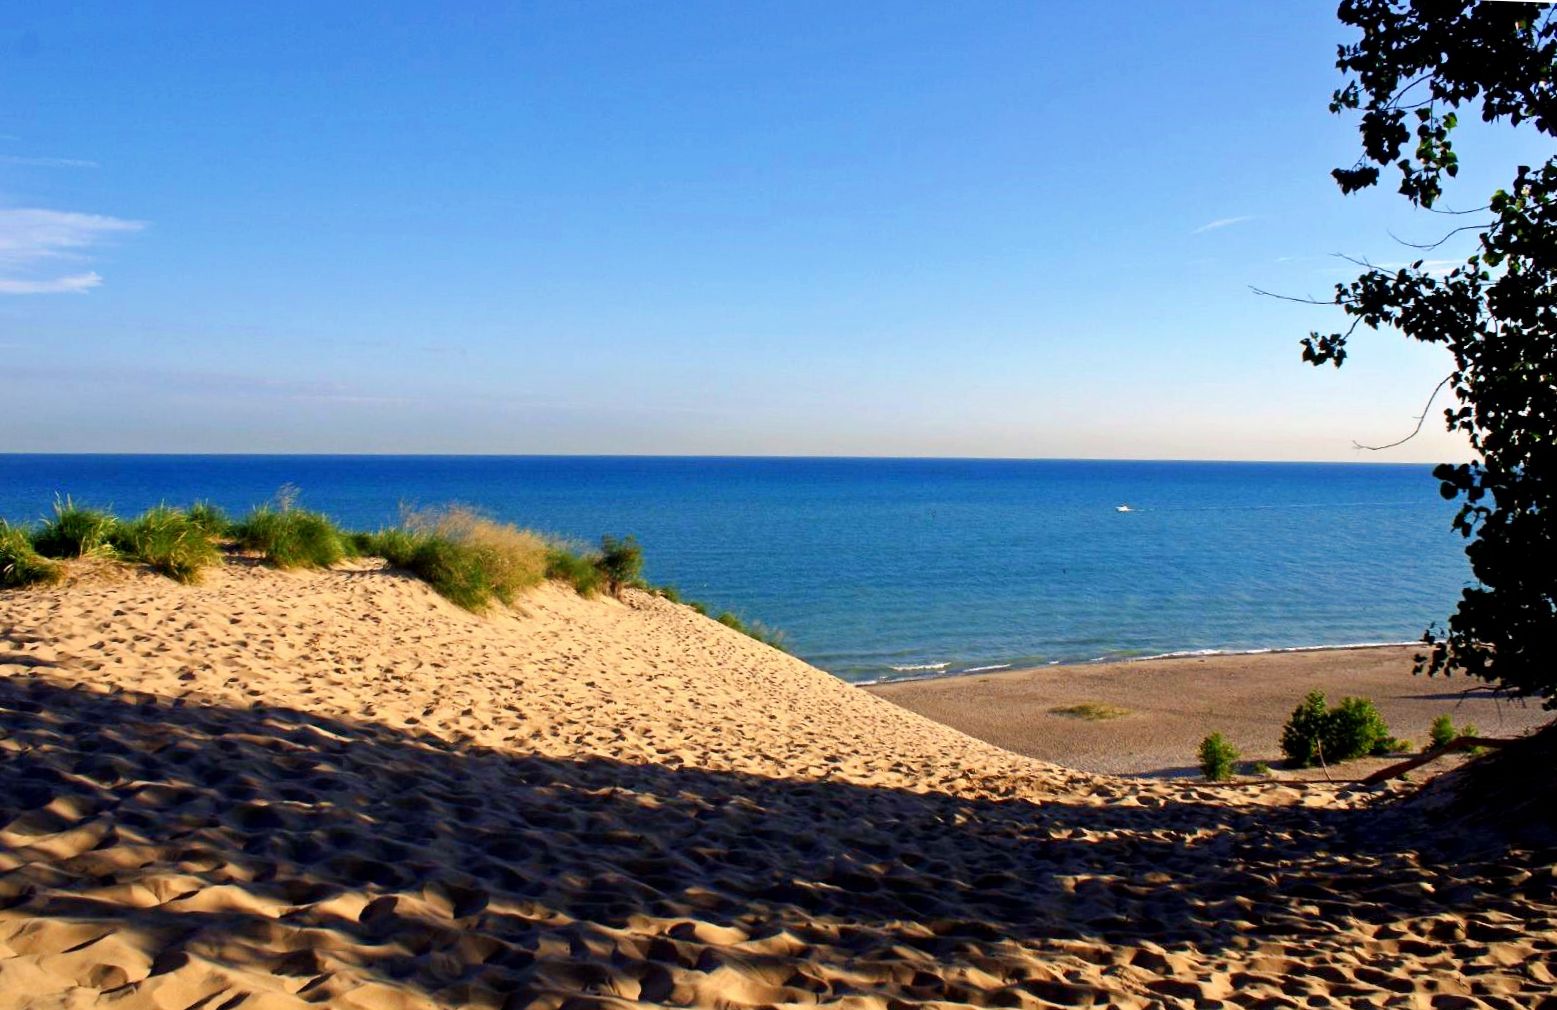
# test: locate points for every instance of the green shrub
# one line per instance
(1303, 735)
(75, 532)
(1442, 731)
(1356, 729)
(579, 571)
(620, 563)
(170, 541)
(1217, 758)
(1352, 729)
(1259, 768)
(20, 564)
(210, 519)
(291, 537)
(670, 593)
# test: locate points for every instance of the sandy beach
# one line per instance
(1168, 705)
(279, 790)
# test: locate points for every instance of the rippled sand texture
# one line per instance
(334, 789)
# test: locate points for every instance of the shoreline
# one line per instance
(1169, 703)
(975, 671)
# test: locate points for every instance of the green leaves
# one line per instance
(1496, 314)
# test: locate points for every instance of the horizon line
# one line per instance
(234, 454)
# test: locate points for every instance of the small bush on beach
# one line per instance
(620, 563)
(1352, 729)
(20, 564)
(1444, 732)
(1217, 758)
(1303, 735)
(291, 537)
(1356, 729)
(1092, 711)
(75, 532)
(170, 542)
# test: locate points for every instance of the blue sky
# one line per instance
(860, 229)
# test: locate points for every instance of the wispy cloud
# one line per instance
(1222, 222)
(31, 239)
(73, 284)
(20, 159)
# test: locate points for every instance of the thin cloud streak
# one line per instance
(74, 284)
(1222, 222)
(19, 159)
(31, 238)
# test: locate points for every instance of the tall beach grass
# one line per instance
(169, 541)
(20, 564)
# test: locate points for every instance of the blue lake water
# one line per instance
(880, 568)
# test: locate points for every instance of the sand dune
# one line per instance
(278, 790)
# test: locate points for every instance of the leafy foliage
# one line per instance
(1409, 75)
(20, 564)
(1217, 758)
(169, 541)
(620, 563)
(75, 532)
(1303, 735)
(1352, 729)
(1442, 731)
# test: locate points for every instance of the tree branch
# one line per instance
(1434, 245)
(1289, 298)
(1421, 419)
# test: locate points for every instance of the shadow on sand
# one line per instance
(330, 856)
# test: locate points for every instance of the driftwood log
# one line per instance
(1394, 771)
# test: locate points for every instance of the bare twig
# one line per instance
(1289, 298)
(1421, 419)
(1435, 245)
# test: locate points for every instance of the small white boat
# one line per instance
(1123, 508)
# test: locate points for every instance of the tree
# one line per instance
(1416, 66)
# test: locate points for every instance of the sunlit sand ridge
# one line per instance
(277, 790)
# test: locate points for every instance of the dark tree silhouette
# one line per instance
(1416, 66)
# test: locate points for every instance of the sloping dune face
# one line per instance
(281, 790)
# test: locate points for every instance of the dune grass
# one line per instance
(75, 532)
(1092, 711)
(770, 637)
(290, 537)
(466, 557)
(579, 570)
(170, 541)
(211, 520)
(20, 564)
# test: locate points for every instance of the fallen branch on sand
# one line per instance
(1457, 744)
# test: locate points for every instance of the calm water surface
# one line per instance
(881, 568)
